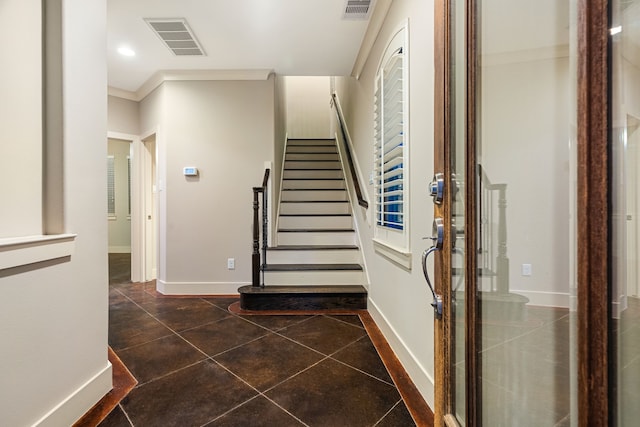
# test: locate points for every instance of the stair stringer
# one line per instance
(355, 207)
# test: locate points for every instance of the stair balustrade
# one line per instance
(256, 266)
(494, 196)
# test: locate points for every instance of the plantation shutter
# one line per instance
(389, 143)
(111, 187)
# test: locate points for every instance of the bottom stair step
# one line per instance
(302, 298)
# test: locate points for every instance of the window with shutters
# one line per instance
(111, 187)
(391, 145)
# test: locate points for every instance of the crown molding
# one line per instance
(188, 75)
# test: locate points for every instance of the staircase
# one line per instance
(316, 263)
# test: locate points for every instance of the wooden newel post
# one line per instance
(255, 257)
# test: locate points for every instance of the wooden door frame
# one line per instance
(593, 212)
(593, 237)
(444, 329)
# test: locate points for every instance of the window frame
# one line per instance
(392, 242)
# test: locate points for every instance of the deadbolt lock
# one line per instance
(436, 188)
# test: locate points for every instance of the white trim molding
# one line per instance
(185, 75)
(80, 401)
(397, 255)
(19, 251)
(199, 288)
(417, 372)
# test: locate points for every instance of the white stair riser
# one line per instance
(316, 238)
(313, 174)
(314, 208)
(312, 183)
(312, 149)
(321, 222)
(311, 156)
(329, 142)
(313, 277)
(334, 256)
(315, 195)
(320, 164)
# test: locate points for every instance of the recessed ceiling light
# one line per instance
(615, 30)
(126, 51)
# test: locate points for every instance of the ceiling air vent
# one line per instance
(177, 36)
(357, 9)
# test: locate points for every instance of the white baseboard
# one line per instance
(79, 402)
(418, 374)
(198, 288)
(119, 249)
(545, 299)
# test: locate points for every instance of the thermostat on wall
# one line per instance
(190, 171)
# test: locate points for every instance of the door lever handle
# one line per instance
(438, 238)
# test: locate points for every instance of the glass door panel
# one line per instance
(525, 116)
(458, 143)
(625, 151)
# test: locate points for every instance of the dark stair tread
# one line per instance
(312, 153)
(313, 179)
(314, 201)
(312, 247)
(313, 169)
(302, 298)
(312, 267)
(317, 214)
(316, 230)
(318, 289)
(311, 160)
(314, 189)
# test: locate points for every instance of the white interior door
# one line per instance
(150, 209)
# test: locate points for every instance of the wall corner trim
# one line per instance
(25, 250)
(371, 35)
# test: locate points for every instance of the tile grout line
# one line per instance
(524, 334)
(388, 412)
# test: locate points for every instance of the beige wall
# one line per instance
(308, 109)
(226, 130)
(21, 118)
(398, 298)
(54, 315)
(123, 116)
(525, 144)
(120, 225)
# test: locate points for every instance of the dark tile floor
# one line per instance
(197, 364)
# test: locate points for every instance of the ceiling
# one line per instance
(288, 37)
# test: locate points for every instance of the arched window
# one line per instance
(391, 144)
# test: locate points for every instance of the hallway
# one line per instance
(199, 364)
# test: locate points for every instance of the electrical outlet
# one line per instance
(231, 263)
(527, 270)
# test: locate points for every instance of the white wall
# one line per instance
(120, 225)
(53, 316)
(308, 109)
(21, 118)
(226, 130)
(398, 298)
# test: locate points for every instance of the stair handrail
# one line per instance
(347, 144)
(501, 260)
(256, 266)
